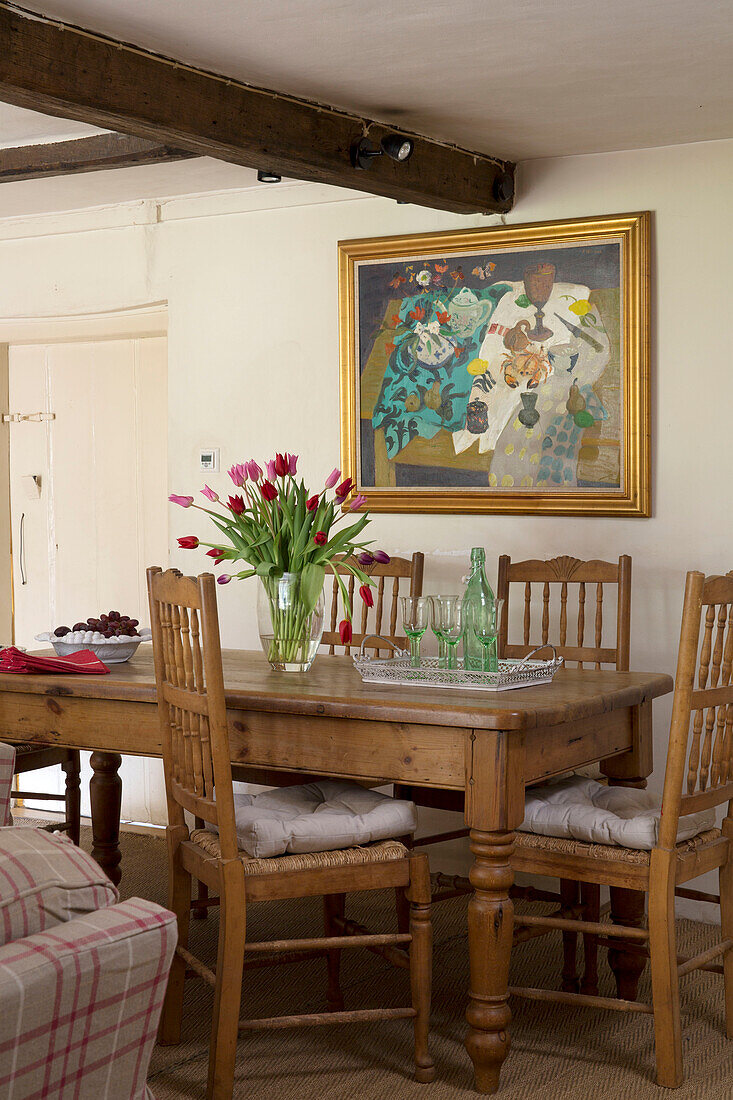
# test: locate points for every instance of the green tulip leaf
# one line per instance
(311, 584)
(266, 568)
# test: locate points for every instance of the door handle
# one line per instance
(21, 550)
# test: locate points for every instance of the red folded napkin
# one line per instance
(15, 660)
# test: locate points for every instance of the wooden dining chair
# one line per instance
(31, 757)
(698, 777)
(567, 609)
(566, 590)
(196, 757)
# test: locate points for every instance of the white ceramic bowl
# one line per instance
(113, 651)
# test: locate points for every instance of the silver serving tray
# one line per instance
(398, 670)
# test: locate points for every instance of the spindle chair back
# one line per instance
(191, 704)
(584, 641)
(699, 772)
(406, 575)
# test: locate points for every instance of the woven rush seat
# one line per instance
(382, 852)
(637, 856)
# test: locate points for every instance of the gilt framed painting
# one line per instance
(499, 370)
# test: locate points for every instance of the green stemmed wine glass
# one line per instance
(415, 620)
(448, 623)
(485, 619)
(435, 624)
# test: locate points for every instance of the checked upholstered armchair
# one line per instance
(82, 977)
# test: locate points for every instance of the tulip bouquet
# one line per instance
(287, 536)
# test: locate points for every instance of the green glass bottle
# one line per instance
(478, 592)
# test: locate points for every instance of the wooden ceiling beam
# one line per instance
(62, 70)
(89, 154)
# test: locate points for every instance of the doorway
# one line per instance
(88, 488)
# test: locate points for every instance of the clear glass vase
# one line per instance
(290, 633)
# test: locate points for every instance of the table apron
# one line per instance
(424, 755)
(552, 750)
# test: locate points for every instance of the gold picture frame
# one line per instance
(501, 370)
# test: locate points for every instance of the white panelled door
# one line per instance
(88, 501)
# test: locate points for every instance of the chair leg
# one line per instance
(402, 904)
(590, 897)
(334, 905)
(72, 769)
(663, 958)
(726, 930)
(202, 890)
(228, 992)
(179, 901)
(569, 897)
(421, 964)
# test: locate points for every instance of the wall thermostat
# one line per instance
(209, 459)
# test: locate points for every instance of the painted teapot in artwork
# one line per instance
(467, 312)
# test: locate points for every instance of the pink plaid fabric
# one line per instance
(80, 1005)
(46, 880)
(7, 768)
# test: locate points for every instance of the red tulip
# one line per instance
(312, 503)
(188, 542)
(282, 465)
(320, 538)
(217, 554)
(237, 505)
(268, 490)
(345, 631)
(344, 489)
(366, 594)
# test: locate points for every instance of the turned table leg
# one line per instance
(105, 790)
(490, 927)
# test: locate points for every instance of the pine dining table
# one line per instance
(490, 745)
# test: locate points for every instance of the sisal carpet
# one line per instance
(558, 1053)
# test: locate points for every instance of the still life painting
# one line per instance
(501, 369)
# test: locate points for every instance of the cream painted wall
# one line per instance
(251, 286)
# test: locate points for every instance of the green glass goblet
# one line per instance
(415, 620)
(435, 625)
(485, 619)
(448, 624)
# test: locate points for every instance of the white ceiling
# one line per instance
(515, 78)
(21, 127)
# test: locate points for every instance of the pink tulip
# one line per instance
(357, 502)
(253, 470)
(223, 578)
(293, 463)
(209, 494)
(271, 472)
(185, 502)
(332, 478)
(238, 474)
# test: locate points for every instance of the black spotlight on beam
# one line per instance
(268, 177)
(395, 146)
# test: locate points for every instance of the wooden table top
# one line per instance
(334, 688)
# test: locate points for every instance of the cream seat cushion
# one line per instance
(579, 808)
(318, 817)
